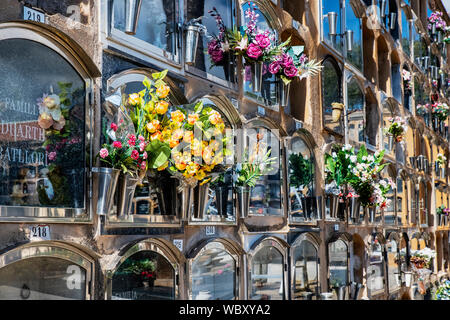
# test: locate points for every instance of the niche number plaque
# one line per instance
(33, 15)
(40, 232)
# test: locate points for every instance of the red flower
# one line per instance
(113, 126)
(135, 155)
(117, 144)
(132, 140)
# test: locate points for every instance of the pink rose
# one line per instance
(135, 155)
(132, 140)
(141, 138)
(262, 41)
(117, 144)
(52, 156)
(141, 146)
(274, 67)
(287, 61)
(254, 51)
(291, 71)
(104, 153)
(142, 165)
(217, 56)
(144, 155)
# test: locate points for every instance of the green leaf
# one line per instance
(147, 83)
(198, 107)
(160, 157)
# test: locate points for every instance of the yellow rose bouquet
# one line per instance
(196, 136)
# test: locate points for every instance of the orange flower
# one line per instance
(180, 166)
(192, 118)
(208, 155)
(177, 116)
(163, 166)
(188, 136)
(196, 148)
(156, 135)
(161, 107)
(192, 168)
(134, 99)
(153, 126)
(178, 134)
(162, 91)
(173, 143)
(214, 117)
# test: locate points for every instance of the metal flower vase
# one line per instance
(132, 10)
(354, 207)
(340, 292)
(201, 197)
(243, 200)
(221, 194)
(333, 202)
(106, 178)
(125, 188)
(284, 90)
(371, 210)
(192, 35)
(390, 142)
(355, 290)
(256, 73)
(440, 219)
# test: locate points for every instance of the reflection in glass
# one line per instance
(306, 270)
(198, 8)
(269, 89)
(355, 112)
(157, 28)
(338, 263)
(146, 275)
(265, 197)
(332, 6)
(42, 279)
(267, 275)
(42, 129)
(353, 23)
(375, 270)
(301, 181)
(393, 265)
(331, 92)
(214, 274)
(406, 42)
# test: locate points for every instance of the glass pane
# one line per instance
(406, 42)
(157, 28)
(195, 9)
(301, 182)
(331, 86)
(214, 275)
(332, 6)
(353, 23)
(42, 113)
(338, 264)
(42, 279)
(393, 265)
(375, 270)
(265, 197)
(306, 270)
(355, 113)
(269, 88)
(267, 275)
(145, 275)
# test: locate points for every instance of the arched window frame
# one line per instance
(371, 240)
(230, 247)
(393, 237)
(52, 249)
(282, 247)
(159, 246)
(80, 61)
(314, 240)
(347, 239)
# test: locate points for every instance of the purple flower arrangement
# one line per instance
(219, 45)
(436, 18)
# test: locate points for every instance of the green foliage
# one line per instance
(137, 267)
(300, 170)
(251, 171)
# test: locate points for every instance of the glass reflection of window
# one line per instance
(423, 203)
(419, 46)
(331, 92)
(267, 274)
(269, 88)
(387, 116)
(403, 255)
(402, 202)
(355, 112)
(195, 9)
(375, 269)
(393, 265)
(406, 38)
(146, 275)
(338, 263)
(306, 270)
(42, 140)
(332, 6)
(42, 279)
(156, 23)
(214, 274)
(301, 181)
(265, 197)
(353, 23)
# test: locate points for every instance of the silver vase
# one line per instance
(439, 36)
(243, 200)
(440, 219)
(125, 188)
(257, 73)
(390, 142)
(371, 213)
(132, 10)
(201, 197)
(192, 35)
(340, 292)
(221, 195)
(442, 173)
(354, 209)
(284, 90)
(412, 161)
(333, 201)
(106, 178)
